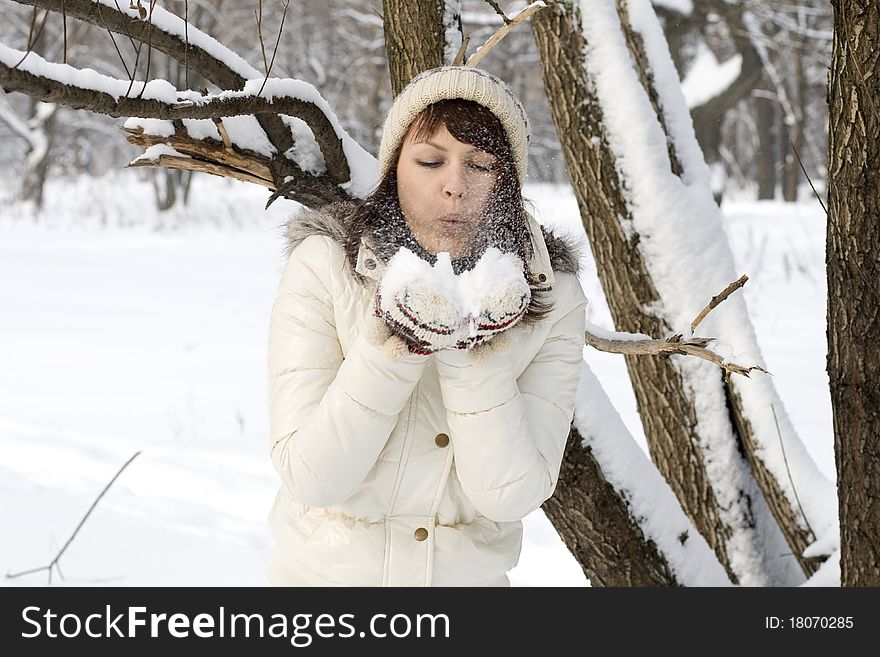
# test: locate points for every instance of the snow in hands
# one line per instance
(432, 308)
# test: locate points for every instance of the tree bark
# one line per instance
(414, 38)
(597, 527)
(853, 242)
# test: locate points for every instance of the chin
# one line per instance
(454, 250)
(454, 247)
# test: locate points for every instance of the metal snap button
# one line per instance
(421, 534)
(442, 440)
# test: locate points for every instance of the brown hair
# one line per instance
(470, 123)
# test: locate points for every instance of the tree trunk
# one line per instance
(853, 242)
(667, 397)
(768, 151)
(414, 38)
(795, 145)
(598, 528)
(709, 117)
(165, 188)
(36, 169)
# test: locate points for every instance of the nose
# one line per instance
(454, 185)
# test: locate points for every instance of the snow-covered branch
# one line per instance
(165, 32)
(158, 99)
(342, 168)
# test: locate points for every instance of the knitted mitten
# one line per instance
(418, 302)
(494, 296)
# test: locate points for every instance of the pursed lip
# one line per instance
(453, 219)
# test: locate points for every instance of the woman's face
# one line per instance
(443, 185)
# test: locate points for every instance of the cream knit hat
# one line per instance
(447, 82)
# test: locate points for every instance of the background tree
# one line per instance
(854, 283)
(754, 73)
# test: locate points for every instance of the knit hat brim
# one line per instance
(449, 82)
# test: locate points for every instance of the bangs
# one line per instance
(467, 121)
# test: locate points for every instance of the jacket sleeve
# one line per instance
(330, 415)
(509, 435)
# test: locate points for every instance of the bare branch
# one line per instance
(177, 39)
(170, 42)
(64, 31)
(258, 14)
(277, 42)
(671, 345)
(134, 67)
(718, 298)
(677, 344)
(499, 11)
(32, 40)
(186, 41)
(259, 174)
(224, 135)
(462, 50)
(113, 39)
(788, 470)
(124, 26)
(149, 44)
(807, 175)
(275, 51)
(502, 32)
(54, 561)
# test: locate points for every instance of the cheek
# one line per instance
(407, 194)
(482, 189)
(410, 185)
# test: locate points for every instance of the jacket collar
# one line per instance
(372, 267)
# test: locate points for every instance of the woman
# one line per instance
(424, 352)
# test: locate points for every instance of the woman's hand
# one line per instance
(494, 296)
(419, 303)
(431, 308)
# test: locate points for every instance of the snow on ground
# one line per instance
(125, 330)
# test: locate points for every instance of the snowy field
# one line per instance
(123, 330)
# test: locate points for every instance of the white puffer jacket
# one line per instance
(402, 470)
